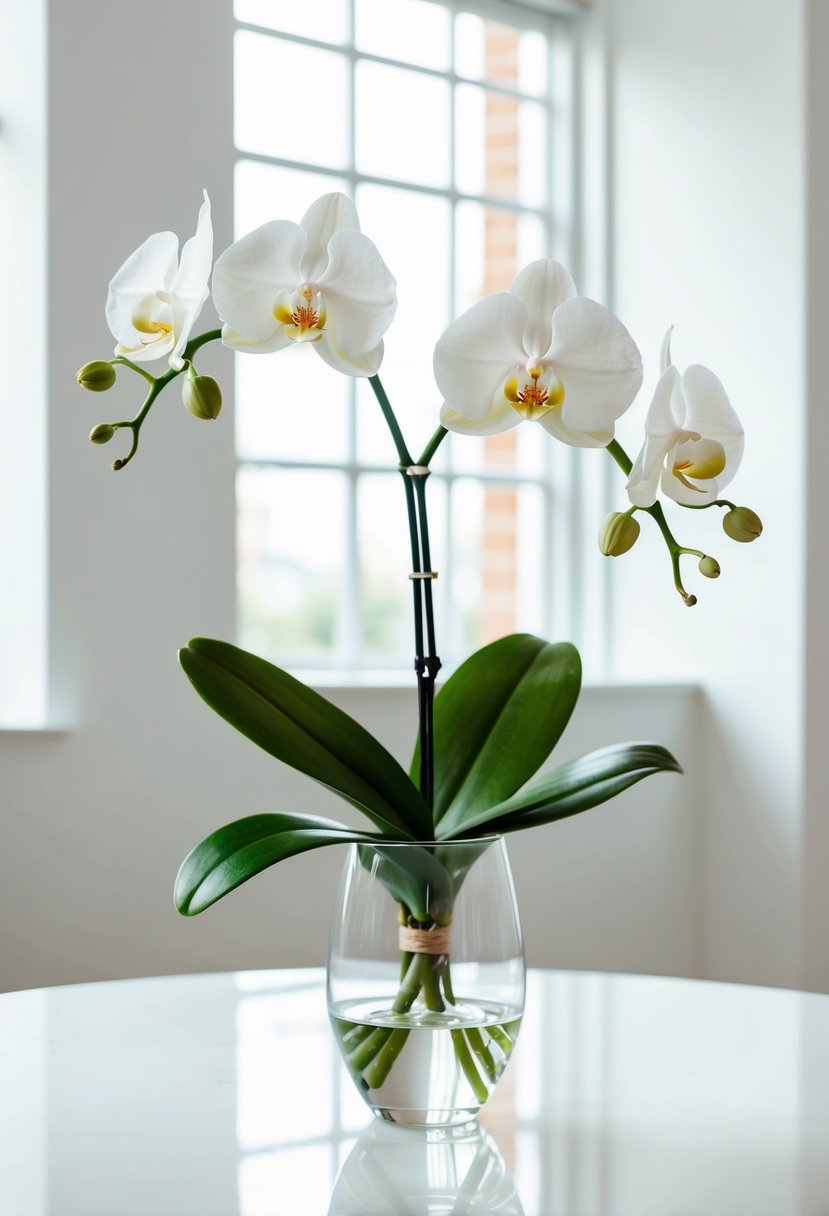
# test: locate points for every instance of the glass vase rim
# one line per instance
(381, 841)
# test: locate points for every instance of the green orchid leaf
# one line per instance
(303, 729)
(569, 789)
(236, 852)
(414, 877)
(497, 718)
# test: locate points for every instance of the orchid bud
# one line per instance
(618, 533)
(102, 433)
(742, 524)
(709, 566)
(97, 376)
(201, 396)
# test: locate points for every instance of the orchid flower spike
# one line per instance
(319, 281)
(156, 297)
(693, 438)
(538, 352)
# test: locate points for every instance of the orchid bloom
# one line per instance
(319, 281)
(156, 297)
(693, 438)
(538, 352)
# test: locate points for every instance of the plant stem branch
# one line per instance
(675, 550)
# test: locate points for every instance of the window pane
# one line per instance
(290, 406)
(491, 247)
(272, 192)
(421, 266)
(385, 561)
(485, 50)
(416, 31)
(272, 79)
(402, 125)
(291, 579)
(497, 560)
(501, 146)
(324, 20)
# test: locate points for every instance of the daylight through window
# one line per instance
(445, 127)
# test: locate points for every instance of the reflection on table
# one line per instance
(225, 1094)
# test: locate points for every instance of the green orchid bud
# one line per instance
(709, 566)
(201, 396)
(102, 433)
(97, 376)
(618, 533)
(742, 524)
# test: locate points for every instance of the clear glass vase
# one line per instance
(426, 976)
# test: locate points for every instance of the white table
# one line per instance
(224, 1094)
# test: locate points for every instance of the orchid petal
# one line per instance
(247, 279)
(541, 286)
(359, 293)
(196, 258)
(713, 416)
(665, 352)
(190, 287)
(502, 417)
(692, 494)
(555, 425)
(478, 351)
(329, 214)
(661, 435)
(349, 365)
(152, 266)
(598, 362)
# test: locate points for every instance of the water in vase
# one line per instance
(423, 1067)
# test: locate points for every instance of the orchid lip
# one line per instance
(533, 391)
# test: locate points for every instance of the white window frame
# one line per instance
(566, 484)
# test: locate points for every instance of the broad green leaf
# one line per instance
(303, 729)
(236, 852)
(496, 721)
(413, 876)
(569, 789)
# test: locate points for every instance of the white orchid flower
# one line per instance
(156, 297)
(538, 352)
(318, 281)
(693, 438)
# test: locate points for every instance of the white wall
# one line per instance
(691, 876)
(708, 189)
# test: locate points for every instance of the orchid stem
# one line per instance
(426, 663)
(157, 385)
(655, 511)
(432, 446)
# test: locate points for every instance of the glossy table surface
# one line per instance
(224, 1094)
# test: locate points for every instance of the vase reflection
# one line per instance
(424, 1173)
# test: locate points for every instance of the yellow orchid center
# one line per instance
(534, 391)
(302, 312)
(152, 315)
(698, 459)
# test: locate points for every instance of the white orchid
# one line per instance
(693, 438)
(319, 281)
(538, 352)
(155, 298)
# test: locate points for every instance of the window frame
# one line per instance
(561, 480)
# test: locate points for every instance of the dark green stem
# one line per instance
(432, 446)
(426, 662)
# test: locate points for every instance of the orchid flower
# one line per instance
(319, 281)
(538, 352)
(155, 297)
(693, 438)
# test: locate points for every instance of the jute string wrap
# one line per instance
(425, 941)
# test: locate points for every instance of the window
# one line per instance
(451, 130)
